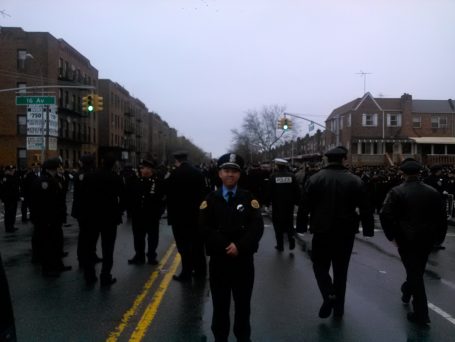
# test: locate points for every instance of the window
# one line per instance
(21, 57)
(416, 122)
(369, 120)
(438, 122)
(22, 124)
(348, 124)
(439, 149)
(393, 120)
(23, 88)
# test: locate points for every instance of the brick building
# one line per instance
(54, 68)
(384, 131)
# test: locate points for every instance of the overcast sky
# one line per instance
(200, 64)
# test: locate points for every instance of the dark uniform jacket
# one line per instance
(9, 191)
(240, 223)
(81, 196)
(284, 194)
(146, 199)
(47, 204)
(413, 213)
(185, 190)
(331, 196)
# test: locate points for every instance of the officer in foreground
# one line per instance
(231, 223)
(331, 197)
(414, 218)
(284, 195)
(146, 207)
(7, 326)
(9, 192)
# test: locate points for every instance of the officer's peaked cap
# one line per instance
(52, 163)
(410, 166)
(230, 161)
(339, 151)
(280, 161)
(148, 163)
(180, 155)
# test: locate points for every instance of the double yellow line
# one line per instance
(152, 308)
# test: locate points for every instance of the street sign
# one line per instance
(35, 143)
(35, 100)
(37, 120)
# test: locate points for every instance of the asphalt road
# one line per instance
(146, 304)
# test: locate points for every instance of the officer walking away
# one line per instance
(10, 195)
(414, 218)
(146, 207)
(7, 326)
(331, 197)
(88, 235)
(284, 195)
(185, 190)
(47, 213)
(106, 209)
(232, 225)
(26, 188)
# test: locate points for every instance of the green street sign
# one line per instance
(35, 100)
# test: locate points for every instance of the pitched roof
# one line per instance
(432, 106)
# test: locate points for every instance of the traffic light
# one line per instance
(98, 103)
(87, 104)
(285, 124)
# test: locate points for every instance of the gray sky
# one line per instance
(201, 64)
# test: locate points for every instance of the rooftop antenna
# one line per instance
(364, 74)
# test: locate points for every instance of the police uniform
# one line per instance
(7, 326)
(185, 190)
(331, 197)
(146, 207)
(10, 195)
(48, 212)
(284, 195)
(413, 217)
(224, 221)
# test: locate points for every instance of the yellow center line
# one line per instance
(152, 308)
(113, 336)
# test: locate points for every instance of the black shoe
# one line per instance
(279, 248)
(412, 317)
(181, 278)
(64, 268)
(152, 261)
(292, 244)
(107, 281)
(136, 261)
(326, 307)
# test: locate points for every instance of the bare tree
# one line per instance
(259, 132)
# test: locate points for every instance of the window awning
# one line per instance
(434, 140)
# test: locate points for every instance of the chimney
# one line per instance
(406, 109)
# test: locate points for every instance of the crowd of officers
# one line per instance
(227, 224)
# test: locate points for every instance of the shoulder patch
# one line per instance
(203, 205)
(255, 204)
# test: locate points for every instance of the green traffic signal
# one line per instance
(285, 124)
(90, 106)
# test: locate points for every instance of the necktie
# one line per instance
(230, 195)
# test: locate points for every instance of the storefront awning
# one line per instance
(434, 140)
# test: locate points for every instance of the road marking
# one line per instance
(113, 336)
(152, 308)
(442, 313)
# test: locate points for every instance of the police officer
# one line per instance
(106, 194)
(331, 197)
(414, 218)
(284, 195)
(88, 235)
(7, 326)
(231, 223)
(146, 207)
(26, 187)
(48, 212)
(10, 195)
(185, 190)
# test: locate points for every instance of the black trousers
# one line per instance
(191, 248)
(231, 276)
(50, 246)
(283, 225)
(414, 259)
(86, 243)
(108, 234)
(25, 206)
(332, 251)
(145, 227)
(7, 326)
(10, 214)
